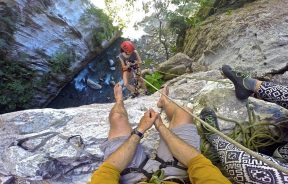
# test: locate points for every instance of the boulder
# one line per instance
(111, 62)
(177, 64)
(93, 84)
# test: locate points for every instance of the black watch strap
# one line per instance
(135, 131)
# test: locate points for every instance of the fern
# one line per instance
(156, 80)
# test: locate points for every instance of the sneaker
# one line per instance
(209, 116)
(281, 153)
(238, 80)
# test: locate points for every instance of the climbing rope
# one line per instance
(195, 78)
(214, 130)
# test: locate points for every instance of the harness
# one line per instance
(173, 163)
(158, 176)
(138, 170)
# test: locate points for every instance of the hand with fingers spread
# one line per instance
(147, 120)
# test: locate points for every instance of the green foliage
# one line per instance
(15, 86)
(156, 80)
(229, 12)
(8, 22)
(106, 29)
(148, 63)
(194, 21)
(7, 28)
(174, 49)
(2, 43)
(201, 12)
(61, 61)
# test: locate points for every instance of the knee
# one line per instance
(116, 117)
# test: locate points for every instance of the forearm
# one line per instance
(122, 63)
(124, 154)
(179, 148)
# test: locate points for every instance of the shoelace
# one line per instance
(209, 119)
(243, 75)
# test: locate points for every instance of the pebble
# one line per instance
(112, 68)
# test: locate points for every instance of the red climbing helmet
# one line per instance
(127, 46)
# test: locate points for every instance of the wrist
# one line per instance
(141, 130)
(157, 126)
(138, 133)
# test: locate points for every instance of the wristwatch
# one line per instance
(135, 131)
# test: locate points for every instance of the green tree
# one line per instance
(166, 24)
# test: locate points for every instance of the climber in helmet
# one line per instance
(131, 62)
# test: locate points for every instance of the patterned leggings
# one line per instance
(241, 166)
(244, 168)
(274, 93)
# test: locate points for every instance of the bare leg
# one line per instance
(118, 117)
(142, 83)
(175, 114)
(126, 76)
(258, 85)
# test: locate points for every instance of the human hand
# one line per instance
(158, 122)
(147, 120)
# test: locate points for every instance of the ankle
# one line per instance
(258, 85)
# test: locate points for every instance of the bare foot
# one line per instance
(163, 99)
(118, 93)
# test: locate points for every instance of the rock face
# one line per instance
(253, 38)
(62, 146)
(178, 64)
(50, 41)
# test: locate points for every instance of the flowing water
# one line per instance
(100, 71)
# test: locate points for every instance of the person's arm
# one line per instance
(200, 169)
(118, 161)
(124, 67)
(126, 151)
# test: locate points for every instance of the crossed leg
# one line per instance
(118, 117)
(181, 124)
(175, 114)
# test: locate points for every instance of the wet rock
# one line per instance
(112, 83)
(146, 72)
(105, 43)
(111, 62)
(93, 84)
(113, 68)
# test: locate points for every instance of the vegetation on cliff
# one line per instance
(27, 72)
